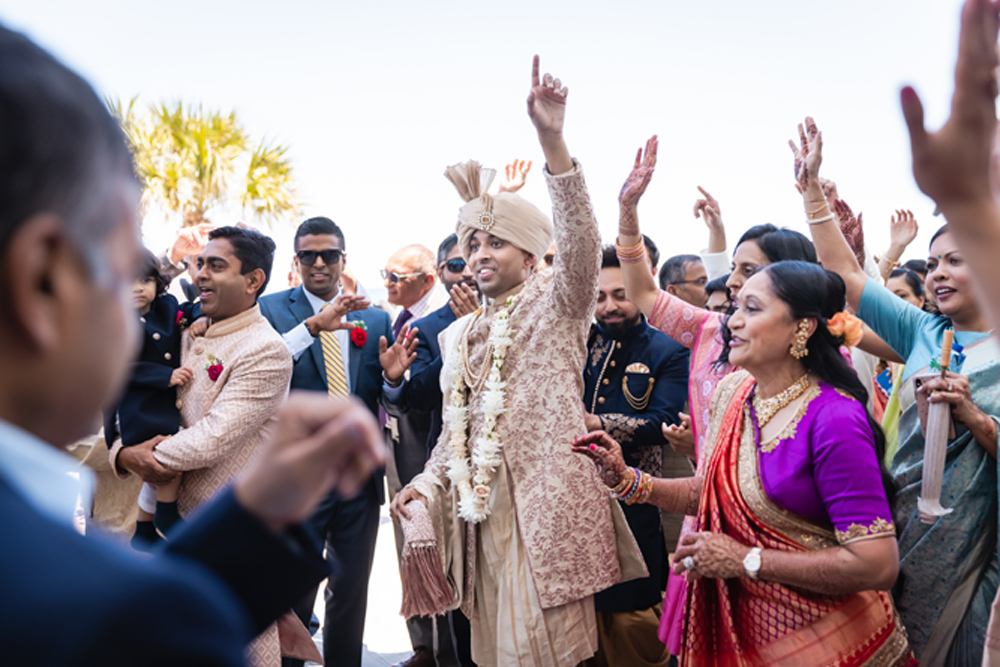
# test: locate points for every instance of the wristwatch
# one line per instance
(752, 563)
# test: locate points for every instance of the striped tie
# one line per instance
(333, 360)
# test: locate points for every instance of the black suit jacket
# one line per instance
(420, 400)
(70, 600)
(148, 407)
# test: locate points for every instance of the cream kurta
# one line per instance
(227, 420)
(534, 606)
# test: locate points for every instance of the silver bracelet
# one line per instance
(819, 221)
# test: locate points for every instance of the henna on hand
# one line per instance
(850, 227)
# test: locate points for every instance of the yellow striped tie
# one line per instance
(333, 360)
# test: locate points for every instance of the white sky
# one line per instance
(375, 98)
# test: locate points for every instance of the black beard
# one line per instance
(618, 329)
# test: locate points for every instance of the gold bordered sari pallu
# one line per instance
(747, 622)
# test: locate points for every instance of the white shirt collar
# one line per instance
(418, 309)
(316, 302)
(47, 478)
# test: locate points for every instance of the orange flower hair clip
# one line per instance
(847, 327)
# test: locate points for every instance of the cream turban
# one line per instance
(505, 215)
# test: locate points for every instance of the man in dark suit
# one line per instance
(69, 252)
(334, 341)
(416, 408)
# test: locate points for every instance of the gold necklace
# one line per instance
(475, 380)
(766, 408)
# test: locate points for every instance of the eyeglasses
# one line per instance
(700, 282)
(394, 277)
(308, 257)
(456, 265)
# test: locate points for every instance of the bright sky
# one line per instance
(375, 98)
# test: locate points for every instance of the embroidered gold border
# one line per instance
(788, 432)
(856, 532)
(792, 525)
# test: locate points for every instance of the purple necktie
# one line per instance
(402, 319)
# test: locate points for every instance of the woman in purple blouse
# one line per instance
(796, 547)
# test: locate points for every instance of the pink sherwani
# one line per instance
(225, 421)
(553, 534)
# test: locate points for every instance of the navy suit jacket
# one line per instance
(73, 601)
(148, 407)
(422, 391)
(286, 310)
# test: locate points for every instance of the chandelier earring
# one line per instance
(798, 348)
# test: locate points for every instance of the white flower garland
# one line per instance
(474, 491)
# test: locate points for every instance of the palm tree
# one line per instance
(186, 159)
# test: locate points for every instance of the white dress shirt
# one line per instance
(299, 339)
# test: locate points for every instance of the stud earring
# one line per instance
(798, 348)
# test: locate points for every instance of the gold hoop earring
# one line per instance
(798, 348)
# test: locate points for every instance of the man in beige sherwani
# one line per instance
(546, 536)
(242, 368)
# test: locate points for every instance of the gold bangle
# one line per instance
(817, 210)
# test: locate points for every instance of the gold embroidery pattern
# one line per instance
(855, 532)
(790, 429)
(651, 460)
(622, 427)
(598, 349)
(846, 395)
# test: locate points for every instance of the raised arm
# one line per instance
(578, 240)
(708, 209)
(640, 286)
(831, 246)
(953, 165)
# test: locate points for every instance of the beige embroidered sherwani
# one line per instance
(529, 571)
(224, 422)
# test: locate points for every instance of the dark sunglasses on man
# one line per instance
(456, 265)
(308, 257)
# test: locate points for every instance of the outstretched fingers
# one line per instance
(535, 81)
(652, 146)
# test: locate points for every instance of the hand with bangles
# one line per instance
(635, 186)
(606, 454)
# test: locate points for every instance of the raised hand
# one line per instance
(808, 156)
(546, 102)
(902, 230)
(190, 242)
(829, 190)
(639, 177)
(464, 299)
(515, 175)
(606, 454)
(952, 165)
(397, 358)
(708, 210)
(332, 318)
(680, 436)
(850, 227)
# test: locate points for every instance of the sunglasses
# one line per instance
(456, 265)
(394, 277)
(308, 257)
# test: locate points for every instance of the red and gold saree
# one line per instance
(751, 622)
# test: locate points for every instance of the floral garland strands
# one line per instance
(474, 490)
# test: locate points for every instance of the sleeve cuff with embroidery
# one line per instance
(298, 340)
(857, 532)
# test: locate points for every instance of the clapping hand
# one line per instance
(464, 299)
(332, 317)
(397, 358)
(680, 436)
(515, 175)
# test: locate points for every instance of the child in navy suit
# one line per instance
(148, 407)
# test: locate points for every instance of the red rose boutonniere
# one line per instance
(359, 334)
(181, 320)
(214, 367)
